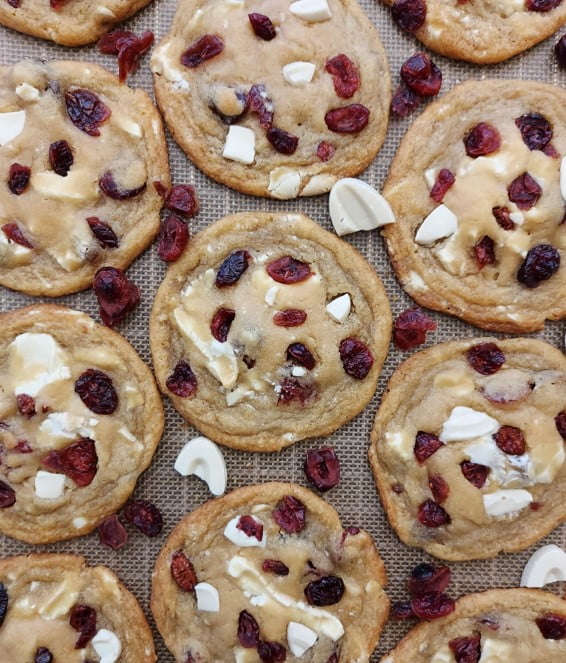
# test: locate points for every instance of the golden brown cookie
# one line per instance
(269, 567)
(80, 418)
(478, 189)
(56, 608)
(79, 153)
(268, 330)
(467, 448)
(275, 98)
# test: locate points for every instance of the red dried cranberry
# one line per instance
(182, 382)
(322, 468)
(14, 233)
(160, 188)
(262, 26)
(325, 591)
(248, 629)
(325, 150)
(334, 658)
(43, 655)
(248, 361)
(481, 140)
(552, 626)
(427, 579)
(221, 323)
(78, 461)
(104, 234)
(85, 110)
(432, 514)
(128, 47)
(250, 527)
(560, 421)
(432, 606)
(510, 440)
(426, 444)
(109, 187)
(290, 317)
(356, 357)
(475, 473)
(288, 270)
(183, 199)
(83, 620)
(535, 130)
(61, 157)
(542, 5)
(289, 514)
(409, 14)
(411, 327)
(258, 102)
(282, 141)
(26, 405)
(14, 3)
(536, 506)
(3, 603)
(183, 571)
(502, 216)
(524, 191)
(7, 495)
(275, 566)
(290, 389)
(397, 488)
(112, 533)
(347, 119)
(404, 100)
(439, 488)
(560, 51)
(23, 447)
(541, 262)
(345, 75)
(145, 516)
(112, 42)
(300, 354)
(484, 251)
(116, 294)
(401, 610)
(271, 652)
(232, 268)
(421, 75)
(172, 239)
(203, 49)
(97, 391)
(466, 650)
(18, 178)
(444, 180)
(485, 358)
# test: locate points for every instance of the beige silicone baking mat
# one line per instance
(355, 498)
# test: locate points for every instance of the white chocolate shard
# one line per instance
(440, 223)
(208, 599)
(313, 11)
(284, 183)
(300, 638)
(201, 457)
(355, 205)
(240, 538)
(36, 360)
(49, 485)
(495, 651)
(339, 308)
(464, 423)
(239, 145)
(27, 92)
(107, 645)
(503, 502)
(545, 565)
(298, 73)
(11, 125)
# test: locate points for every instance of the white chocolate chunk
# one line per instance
(464, 423)
(27, 92)
(35, 361)
(201, 457)
(11, 125)
(443, 655)
(339, 308)
(105, 11)
(299, 371)
(440, 223)
(401, 442)
(355, 205)
(545, 565)
(80, 522)
(240, 538)
(313, 11)
(49, 485)
(271, 295)
(495, 651)
(80, 185)
(242, 655)
(507, 470)
(208, 599)
(284, 183)
(517, 217)
(299, 73)
(239, 145)
(563, 177)
(318, 184)
(503, 502)
(107, 645)
(127, 124)
(300, 638)
(60, 600)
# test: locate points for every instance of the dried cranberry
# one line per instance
(183, 199)
(275, 566)
(347, 119)
(552, 626)
(466, 650)
(109, 187)
(444, 180)
(43, 655)
(116, 294)
(427, 579)
(404, 100)
(411, 327)
(484, 251)
(356, 357)
(397, 488)
(421, 75)
(282, 141)
(524, 191)
(325, 150)
(560, 421)
(221, 323)
(112, 533)
(14, 233)
(481, 140)
(432, 514)
(475, 473)
(542, 5)
(290, 389)
(290, 317)
(289, 514)
(262, 26)
(3, 603)
(104, 234)
(250, 527)
(535, 130)
(510, 440)
(345, 75)
(248, 361)
(23, 447)
(502, 216)
(128, 47)
(7, 495)
(288, 270)
(232, 268)
(85, 110)
(560, 51)
(401, 610)
(160, 188)
(271, 652)
(61, 157)
(26, 405)
(334, 658)
(145, 516)
(172, 239)
(432, 606)
(18, 178)
(541, 262)
(83, 620)
(14, 3)
(248, 629)
(489, 622)
(183, 571)
(439, 488)
(97, 391)
(258, 102)
(300, 354)
(485, 358)
(78, 461)
(409, 14)
(182, 382)
(203, 49)
(112, 42)
(325, 591)
(536, 506)
(322, 468)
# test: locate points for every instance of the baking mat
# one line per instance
(355, 498)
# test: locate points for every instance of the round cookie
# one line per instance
(496, 625)
(79, 155)
(480, 31)
(467, 448)
(80, 418)
(268, 330)
(73, 611)
(476, 189)
(281, 564)
(264, 115)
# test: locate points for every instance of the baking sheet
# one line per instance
(355, 498)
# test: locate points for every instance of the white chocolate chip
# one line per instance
(318, 184)
(355, 205)
(464, 423)
(503, 502)
(299, 371)
(105, 11)
(339, 308)
(27, 92)
(208, 599)
(271, 295)
(314, 11)
(517, 217)
(440, 223)
(563, 177)
(239, 145)
(298, 73)
(38, 360)
(107, 645)
(545, 565)
(240, 538)
(495, 651)
(201, 457)
(300, 638)
(79, 523)
(443, 655)
(49, 485)
(284, 183)
(80, 185)
(11, 125)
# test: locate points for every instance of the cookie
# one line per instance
(56, 608)
(481, 31)
(269, 330)
(467, 448)
(79, 155)
(269, 569)
(80, 418)
(279, 104)
(478, 189)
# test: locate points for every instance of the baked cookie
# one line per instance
(268, 330)
(274, 98)
(70, 23)
(478, 187)
(80, 418)
(520, 625)
(468, 447)
(481, 31)
(79, 153)
(269, 569)
(56, 608)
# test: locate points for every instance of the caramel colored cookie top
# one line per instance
(80, 419)
(79, 153)
(468, 447)
(478, 187)
(269, 565)
(274, 98)
(57, 605)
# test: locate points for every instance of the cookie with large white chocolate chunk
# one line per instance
(268, 330)
(478, 187)
(79, 156)
(80, 418)
(56, 608)
(276, 99)
(268, 573)
(468, 447)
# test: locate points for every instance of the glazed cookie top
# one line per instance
(268, 330)
(79, 153)
(520, 625)
(80, 418)
(478, 187)
(468, 447)
(481, 31)
(269, 569)
(274, 98)
(56, 608)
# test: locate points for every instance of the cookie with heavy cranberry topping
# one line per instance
(274, 99)
(80, 418)
(481, 31)
(56, 608)
(269, 568)
(478, 187)
(268, 330)
(79, 155)
(468, 447)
